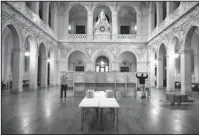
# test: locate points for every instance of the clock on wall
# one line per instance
(102, 29)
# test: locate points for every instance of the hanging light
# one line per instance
(102, 63)
(69, 27)
(48, 60)
(135, 27)
(27, 53)
(176, 55)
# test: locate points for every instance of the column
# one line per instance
(159, 12)
(66, 22)
(90, 26)
(44, 72)
(186, 71)
(151, 21)
(54, 18)
(152, 73)
(17, 70)
(35, 7)
(114, 25)
(170, 72)
(160, 73)
(33, 68)
(139, 26)
(45, 12)
(196, 67)
(58, 72)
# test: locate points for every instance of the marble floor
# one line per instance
(43, 111)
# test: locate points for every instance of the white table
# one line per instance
(99, 101)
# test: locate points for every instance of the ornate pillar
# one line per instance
(44, 71)
(196, 67)
(35, 7)
(170, 72)
(33, 69)
(17, 70)
(66, 22)
(114, 25)
(54, 18)
(186, 71)
(151, 21)
(90, 26)
(159, 12)
(160, 69)
(152, 73)
(45, 12)
(139, 25)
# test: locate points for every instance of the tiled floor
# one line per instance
(43, 111)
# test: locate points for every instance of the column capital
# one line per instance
(186, 51)
(18, 50)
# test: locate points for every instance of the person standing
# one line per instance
(64, 85)
(142, 83)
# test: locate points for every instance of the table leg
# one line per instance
(113, 116)
(117, 119)
(82, 118)
(101, 118)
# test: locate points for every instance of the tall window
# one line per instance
(102, 64)
(49, 16)
(28, 4)
(124, 29)
(40, 10)
(80, 29)
(164, 10)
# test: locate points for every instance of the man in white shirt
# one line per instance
(64, 85)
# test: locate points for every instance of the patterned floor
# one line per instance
(43, 111)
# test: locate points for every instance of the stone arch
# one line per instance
(131, 5)
(42, 65)
(75, 4)
(159, 47)
(102, 52)
(101, 4)
(73, 57)
(132, 51)
(127, 15)
(80, 50)
(15, 31)
(133, 61)
(11, 56)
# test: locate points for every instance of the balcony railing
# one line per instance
(126, 36)
(77, 37)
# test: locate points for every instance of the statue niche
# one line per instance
(102, 28)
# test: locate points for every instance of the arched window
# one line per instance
(164, 10)
(40, 10)
(102, 64)
(49, 15)
(28, 4)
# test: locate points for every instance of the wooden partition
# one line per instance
(122, 83)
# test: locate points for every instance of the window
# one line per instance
(124, 29)
(26, 63)
(79, 68)
(28, 4)
(80, 29)
(124, 69)
(40, 10)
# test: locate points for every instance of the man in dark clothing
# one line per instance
(142, 83)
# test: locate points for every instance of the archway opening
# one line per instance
(10, 42)
(127, 62)
(77, 20)
(162, 67)
(192, 43)
(102, 64)
(42, 66)
(127, 20)
(77, 61)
